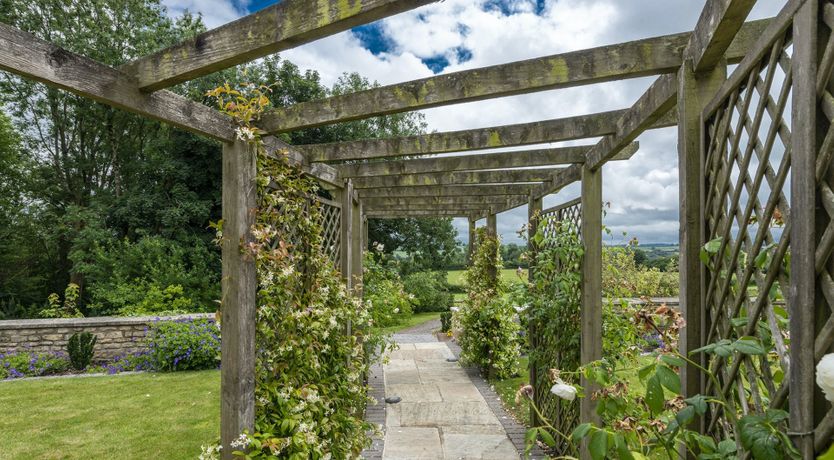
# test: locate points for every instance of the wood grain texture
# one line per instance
(715, 30)
(559, 181)
(507, 176)
(377, 202)
(275, 28)
(513, 159)
(403, 213)
(651, 56)
(25, 55)
(591, 309)
(239, 292)
(652, 105)
(560, 129)
(447, 190)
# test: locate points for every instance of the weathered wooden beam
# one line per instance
(468, 208)
(694, 92)
(715, 31)
(485, 200)
(513, 159)
(653, 104)
(539, 132)
(21, 53)
(651, 56)
(239, 286)
(402, 213)
(470, 244)
(591, 303)
(447, 190)
(323, 172)
(275, 28)
(559, 181)
(345, 195)
(505, 176)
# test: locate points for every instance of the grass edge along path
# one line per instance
(139, 416)
(414, 320)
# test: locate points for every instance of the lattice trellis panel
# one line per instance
(564, 416)
(746, 168)
(824, 177)
(331, 216)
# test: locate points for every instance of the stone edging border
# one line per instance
(375, 413)
(514, 430)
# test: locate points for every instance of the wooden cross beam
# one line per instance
(651, 56)
(402, 214)
(23, 54)
(275, 28)
(505, 176)
(513, 159)
(487, 200)
(539, 132)
(468, 207)
(446, 190)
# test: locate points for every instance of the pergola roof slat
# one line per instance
(639, 58)
(513, 159)
(275, 28)
(447, 190)
(504, 176)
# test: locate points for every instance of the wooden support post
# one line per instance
(365, 225)
(803, 299)
(357, 251)
(694, 92)
(240, 287)
(472, 235)
(591, 309)
(534, 209)
(346, 229)
(492, 230)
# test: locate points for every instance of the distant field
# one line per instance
(509, 275)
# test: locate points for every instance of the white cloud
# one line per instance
(215, 12)
(643, 192)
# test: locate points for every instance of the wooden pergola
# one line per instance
(720, 173)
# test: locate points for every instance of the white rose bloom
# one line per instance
(563, 390)
(825, 376)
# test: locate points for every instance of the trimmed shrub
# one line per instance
(387, 300)
(183, 344)
(446, 321)
(80, 349)
(431, 291)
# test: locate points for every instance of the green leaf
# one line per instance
(645, 371)
(580, 432)
(672, 360)
(828, 455)
(622, 447)
(685, 415)
(749, 345)
(654, 394)
(547, 438)
(727, 447)
(699, 402)
(669, 379)
(713, 245)
(598, 447)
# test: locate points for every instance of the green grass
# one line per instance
(414, 320)
(507, 388)
(508, 275)
(130, 416)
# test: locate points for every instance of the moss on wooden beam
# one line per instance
(716, 29)
(489, 200)
(508, 176)
(651, 56)
(512, 159)
(275, 28)
(23, 54)
(447, 190)
(423, 213)
(659, 99)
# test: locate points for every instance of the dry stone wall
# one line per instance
(115, 335)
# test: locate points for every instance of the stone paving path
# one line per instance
(442, 414)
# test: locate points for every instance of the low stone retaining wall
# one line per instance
(115, 335)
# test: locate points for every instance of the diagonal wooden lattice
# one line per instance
(746, 166)
(331, 218)
(823, 260)
(564, 416)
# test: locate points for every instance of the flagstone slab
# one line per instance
(407, 376)
(440, 413)
(412, 443)
(459, 392)
(454, 375)
(414, 392)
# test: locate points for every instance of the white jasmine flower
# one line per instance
(288, 270)
(396, 310)
(563, 390)
(825, 376)
(245, 134)
(241, 442)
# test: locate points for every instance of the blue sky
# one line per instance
(456, 35)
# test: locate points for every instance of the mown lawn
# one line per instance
(509, 275)
(507, 388)
(414, 320)
(126, 417)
